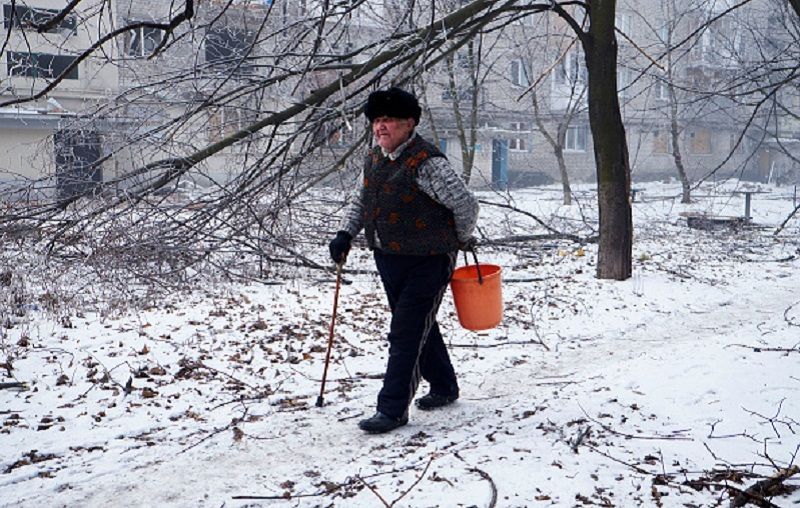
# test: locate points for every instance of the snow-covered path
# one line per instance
(645, 392)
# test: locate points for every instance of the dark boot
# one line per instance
(380, 423)
(434, 400)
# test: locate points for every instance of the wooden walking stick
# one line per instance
(320, 400)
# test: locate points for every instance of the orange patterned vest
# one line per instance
(405, 219)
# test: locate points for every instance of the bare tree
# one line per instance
(466, 131)
(463, 82)
(674, 127)
(575, 104)
(610, 146)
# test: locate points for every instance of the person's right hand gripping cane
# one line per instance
(340, 246)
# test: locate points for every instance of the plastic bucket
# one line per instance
(479, 306)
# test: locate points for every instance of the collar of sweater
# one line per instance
(397, 151)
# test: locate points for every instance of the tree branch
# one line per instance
(569, 236)
(759, 491)
(58, 18)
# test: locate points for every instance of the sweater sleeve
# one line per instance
(437, 178)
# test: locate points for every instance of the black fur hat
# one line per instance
(394, 103)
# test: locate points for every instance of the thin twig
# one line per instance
(22, 386)
(374, 491)
(284, 497)
(633, 436)
(500, 344)
(419, 479)
(759, 349)
(485, 476)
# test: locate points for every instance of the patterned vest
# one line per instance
(405, 219)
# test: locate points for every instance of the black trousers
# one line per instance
(415, 286)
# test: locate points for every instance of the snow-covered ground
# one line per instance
(662, 390)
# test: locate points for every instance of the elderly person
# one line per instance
(416, 213)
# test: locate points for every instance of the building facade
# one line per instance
(509, 107)
(55, 135)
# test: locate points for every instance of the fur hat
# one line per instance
(394, 103)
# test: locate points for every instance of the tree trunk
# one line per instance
(686, 196)
(557, 143)
(467, 134)
(474, 59)
(796, 6)
(676, 149)
(562, 169)
(610, 146)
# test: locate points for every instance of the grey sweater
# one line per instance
(436, 178)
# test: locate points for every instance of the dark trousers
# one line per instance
(415, 286)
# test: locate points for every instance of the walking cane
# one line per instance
(320, 400)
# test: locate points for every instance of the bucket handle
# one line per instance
(477, 265)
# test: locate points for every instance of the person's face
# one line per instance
(392, 132)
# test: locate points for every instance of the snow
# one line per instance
(590, 391)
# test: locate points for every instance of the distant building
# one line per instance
(51, 136)
(539, 55)
(125, 106)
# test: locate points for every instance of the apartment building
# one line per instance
(522, 89)
(210, 79)
(144, 96)
(699, 85)
(55, 136)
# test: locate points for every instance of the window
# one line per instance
(733, 140)
(226, 121)
(576, 139)
(518, 144)
(40, 65)
(661, 142)
(572, 69)
(142, 41)
(462, 94)
(227, 47)
(661, 89)
(700, 141)
(28, 18)
(340, 138)
(77, 155)
(518, 74)
(462, 60)
(623, 81)
(665, 34)
(622, 22)
(721, 43)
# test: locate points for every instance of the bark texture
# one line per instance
(610, 146)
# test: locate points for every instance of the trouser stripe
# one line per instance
(430, 318)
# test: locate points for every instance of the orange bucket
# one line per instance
(479, 305)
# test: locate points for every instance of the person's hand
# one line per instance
(468, 245)
(340, 246)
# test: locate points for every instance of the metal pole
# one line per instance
(320, 399)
